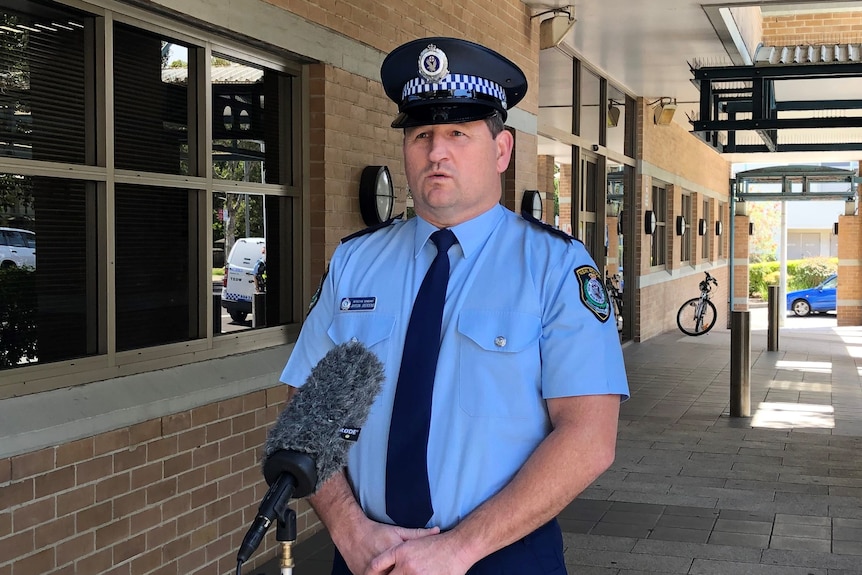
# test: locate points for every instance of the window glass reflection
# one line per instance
(239, 234)
(48, 305)
(150, 102)
(245, 121)
(45, 99)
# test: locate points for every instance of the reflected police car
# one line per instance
(818, 299)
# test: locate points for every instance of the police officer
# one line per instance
(525, 400)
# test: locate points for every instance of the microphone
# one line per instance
(310, 439)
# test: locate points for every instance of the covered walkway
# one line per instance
(694, 491)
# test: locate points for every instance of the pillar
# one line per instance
(849, 292)
(739, 295)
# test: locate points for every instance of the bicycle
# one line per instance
(697, 316)
(616, 296)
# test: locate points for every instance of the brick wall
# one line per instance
(545, 183)
(661, 302)
(349, 118)
(687, 161)
(813, 28)
(741, 239)
(849, 292)
(172, 495)
(504, 25)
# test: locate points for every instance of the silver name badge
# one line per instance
(358, 303)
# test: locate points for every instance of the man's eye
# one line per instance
(457, 133)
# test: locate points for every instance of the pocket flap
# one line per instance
(369, 328)
(500, 330)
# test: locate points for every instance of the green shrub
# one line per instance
(810, 272)
(801, 274)
(17, 316)
(757, 277)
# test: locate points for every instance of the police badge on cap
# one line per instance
(447, 80)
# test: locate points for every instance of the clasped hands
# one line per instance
(381, 549)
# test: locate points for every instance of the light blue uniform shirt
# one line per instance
(516, 331)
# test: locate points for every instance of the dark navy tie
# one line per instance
(408, 496)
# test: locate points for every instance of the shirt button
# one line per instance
(500, 341)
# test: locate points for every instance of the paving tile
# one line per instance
(686, 522)
(680, 534)
(739, 539)
(800, 544)
(847, 547)
(782, 518)
(743, 525)
(709, 567)
(621, 530)
(798, 530)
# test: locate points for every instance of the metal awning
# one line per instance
(794, 98)
(795, 183)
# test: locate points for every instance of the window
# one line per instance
(685, 237)
(658, 248)
(47, 92)
(124, 260)
(722, 217)
(706, 238)
(589, 105)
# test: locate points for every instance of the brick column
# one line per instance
(566, 199)
(739, 295)
(545, 181)
(612, 261)
(849, 293)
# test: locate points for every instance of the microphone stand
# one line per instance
(290, 474)
(285, 533)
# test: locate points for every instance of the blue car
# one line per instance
(818, 299)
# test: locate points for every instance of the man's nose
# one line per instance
(439, 149)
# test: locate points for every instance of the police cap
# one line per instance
(448, 80)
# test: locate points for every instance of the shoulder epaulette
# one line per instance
(547, 227)
(372, 229)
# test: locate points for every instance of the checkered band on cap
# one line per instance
(455, 82)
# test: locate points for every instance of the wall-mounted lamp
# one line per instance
(680, 225)
(701, 227)
(554, 29)
(531, 203)
(650, 222)
(663, 111)
(718, 228)
(613, 114)
(376, 195)
(835, 229)
(751, 228)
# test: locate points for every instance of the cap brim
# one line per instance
(444, 114)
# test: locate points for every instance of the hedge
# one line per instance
(801, 274)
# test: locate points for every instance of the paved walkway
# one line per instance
(694, 491)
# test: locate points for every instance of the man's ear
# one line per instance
(505, 142)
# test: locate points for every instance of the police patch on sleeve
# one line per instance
(592, 292)
(316, 295)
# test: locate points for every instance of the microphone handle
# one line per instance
(271, 508)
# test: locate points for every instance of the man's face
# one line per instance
(454, 170)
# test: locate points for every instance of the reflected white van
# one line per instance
(17, 248)
(238, 283)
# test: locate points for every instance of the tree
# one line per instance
(766, 217)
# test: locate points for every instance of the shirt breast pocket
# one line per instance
(374, 330)
(500, 364)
